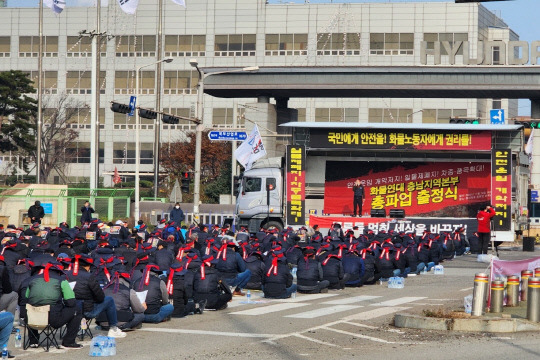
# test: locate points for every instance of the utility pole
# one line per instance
(94, 125)
(40, 95)
(157, 121)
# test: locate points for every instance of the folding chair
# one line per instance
(86, 332)
(38, 319)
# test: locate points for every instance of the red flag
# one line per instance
(116, 178)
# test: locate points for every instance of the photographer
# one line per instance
(484, 217)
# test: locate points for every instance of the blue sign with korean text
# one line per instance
(534, 195)
(496, 116)
(47, 207)
(227, 135)
(132, 104)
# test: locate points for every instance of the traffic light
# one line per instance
(237, 181)
(147, 114)
(170, 119)
(528, 124)
(186, 180)
(120, 108)
(464, 121)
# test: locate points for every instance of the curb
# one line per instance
(473, 324)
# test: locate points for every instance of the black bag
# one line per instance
(223, 288)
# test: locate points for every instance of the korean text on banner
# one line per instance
(296, 185)
(251, 149)
(501, 188)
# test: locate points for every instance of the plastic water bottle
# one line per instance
(293, 295)
(18, 342)
(96, 350)
(4, 352)
(112, 346)
(84, 325)
(248, 296)
(293, 271)
(105, 346)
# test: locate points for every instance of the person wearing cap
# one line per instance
(180, 287)
(49, 286)
(86, 212)
(359, 197)
(208, 285)
(353, 264)
(232, 267)
(88, 290)
(176, 214)
(36, 212)
(158, 308)
(129, 308)
(277, 281)
(309, 273)
(163, 256)
(256, 266)
(333, 271)
(484, 216)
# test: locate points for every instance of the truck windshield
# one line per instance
(252, 184)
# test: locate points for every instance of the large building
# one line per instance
(241, 33)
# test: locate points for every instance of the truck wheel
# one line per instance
(275, 224)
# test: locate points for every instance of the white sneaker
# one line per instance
(116, 333)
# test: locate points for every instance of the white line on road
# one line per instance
(360, 336)
(351, 300)
(269, 309)
(308, 297)
(361, 325)
(206, 332)
(323, 311)
(368, 315)
(467, 289)
(314, 340)
(399, 301)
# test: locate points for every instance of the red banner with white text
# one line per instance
(422, 189)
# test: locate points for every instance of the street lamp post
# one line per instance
(137, 137)
(200, 127)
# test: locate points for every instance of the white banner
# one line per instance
(55, 5)
(251, 149)
(129, 6)
(529, 146)
(180, 2)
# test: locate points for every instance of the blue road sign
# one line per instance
(496, 116)
(132, 104)
(534, 195)
(227, 135)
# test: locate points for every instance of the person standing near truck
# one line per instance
(484, 217)
(358, 200)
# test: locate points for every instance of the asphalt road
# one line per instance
(345, 324)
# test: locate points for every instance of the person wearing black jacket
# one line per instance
(353, 264)
(8, 298)
(333, 271)
(358, 199)
(208, 285)
(309, 273)
(256, 266)
(277, 280)
(36, 212)
(158, 308)
(89, 291)
(87, 210)
(232, 267)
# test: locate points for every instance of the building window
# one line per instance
(235, 45)
(5, 46)
(183, 124)
(338, 44)
(80, 82)
(180, 82)
(223, 117)
(391, 44)
(385, 115)
(442, 116)
(79, 153)
(496, 104)
(29, 46)
(185, 45)
(126, 122)
(286, 44)
(336, 114)
(50, 81)
(135, 45)
(82, 47)
(496, 55)
(80, 118)
(452, 38)
(124, 82)
(301, 114)
(124, 153)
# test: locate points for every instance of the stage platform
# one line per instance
(414, 224)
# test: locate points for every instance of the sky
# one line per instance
(522, 16)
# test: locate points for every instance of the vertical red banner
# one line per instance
(296, 185)
(501, 188)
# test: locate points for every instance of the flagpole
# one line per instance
(94, 125)
(157, 121)
(39, 95)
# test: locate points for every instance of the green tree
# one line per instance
(17, 113)
(222, 184)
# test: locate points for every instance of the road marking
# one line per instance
(314, 340)
(205, 332)
(361, 325)
(360, 336)
(425, 304)
(368, 315)
(307, 297)
(467, 289)
(261, 310)
(399, 301)
(323, 311)
(351, 300)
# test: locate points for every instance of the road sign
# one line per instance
(534, 195)
(227, 135)
(47, 208)
(496, 116)
(132, 104)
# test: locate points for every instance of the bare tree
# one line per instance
(57, 137)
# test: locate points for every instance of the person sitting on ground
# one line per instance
(208, 285)
(353, 264)
(277, 282)
(309, 274)
(158, 308)
(232, 267)
(256, 266)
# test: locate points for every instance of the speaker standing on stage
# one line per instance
(484, 217)
(358, 201)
